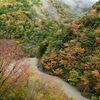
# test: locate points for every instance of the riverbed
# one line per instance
(70, 90)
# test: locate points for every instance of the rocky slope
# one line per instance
(80, 6)
(58, 10)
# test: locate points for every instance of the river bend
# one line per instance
(70, 90)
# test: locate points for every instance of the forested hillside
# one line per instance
(21, 31)
(73, 53)
(67, 46)
(27, 22)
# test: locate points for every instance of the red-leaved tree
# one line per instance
(14, 70)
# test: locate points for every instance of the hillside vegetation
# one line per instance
(73, 53)
(68, 48)
(19, 24)
(27, 22)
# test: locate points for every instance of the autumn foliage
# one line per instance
(74, 54)
(68, 49)
(18, 81)
(14, 70)
(9, 49)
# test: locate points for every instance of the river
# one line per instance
(70, 90)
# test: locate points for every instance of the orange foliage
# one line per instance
(70, 56)
(63, 61)
(83, 36)
(47, 67)
(75, 26)
(95, 73)
(10, 49)
(53, 62)
(84, 80)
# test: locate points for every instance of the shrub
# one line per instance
(73, 78)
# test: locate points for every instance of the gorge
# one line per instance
(61, 39)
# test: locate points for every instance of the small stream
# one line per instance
(70, 90)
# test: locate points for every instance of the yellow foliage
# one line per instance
(30, 2)
(3, 17)
(53, 55)
(62, 52)
(66, 44)
(97, 31)
(58, 71)
(97, 40)
(78, 44)
(80, 50)
(72, 41)
(99, 15)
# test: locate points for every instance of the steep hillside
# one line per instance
(29, 23)
(58, 10)
(73, 53)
